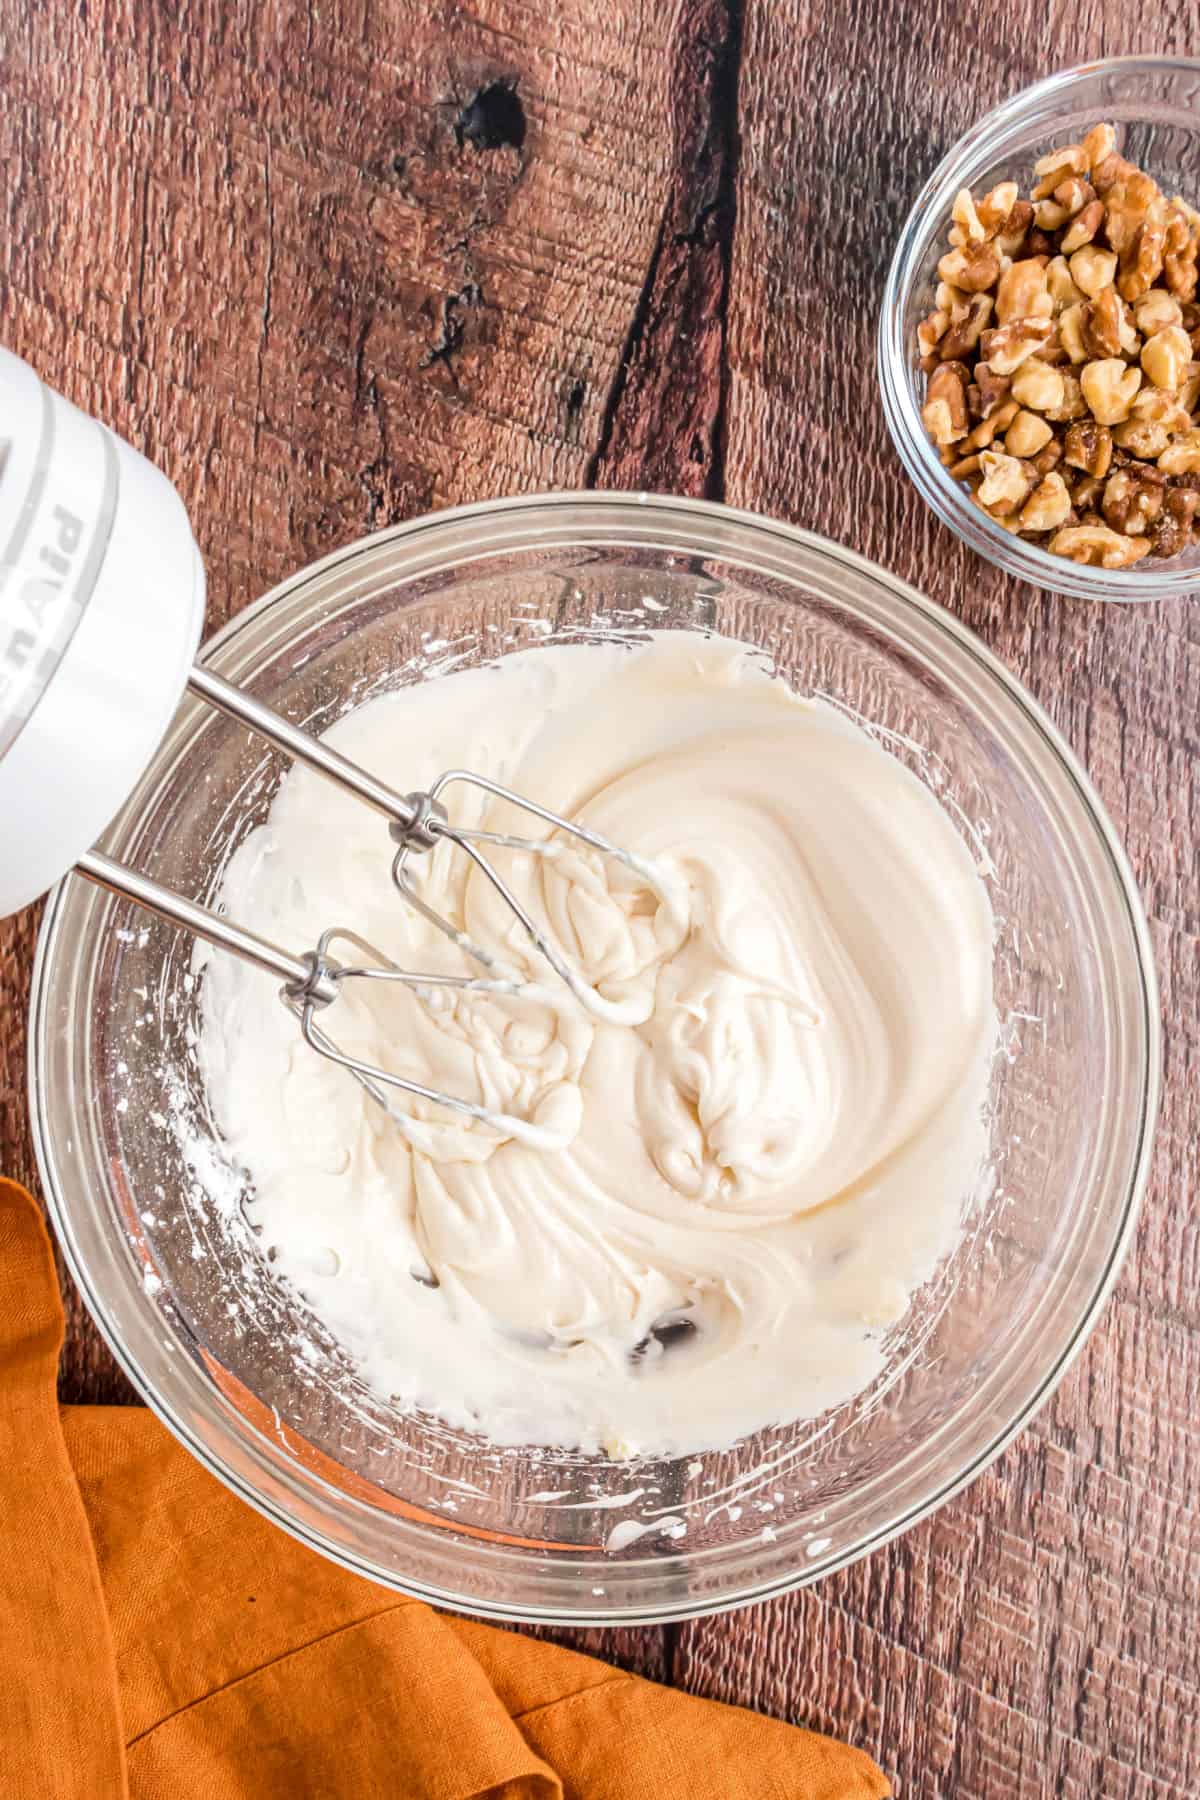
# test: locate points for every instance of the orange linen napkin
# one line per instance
(160, 1639)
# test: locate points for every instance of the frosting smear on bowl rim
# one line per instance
(757, 1145)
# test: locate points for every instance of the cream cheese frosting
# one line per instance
(760, 1116)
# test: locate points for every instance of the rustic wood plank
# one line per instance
(255, 240)
(1037, 1636)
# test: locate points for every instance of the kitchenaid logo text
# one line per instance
(40, 590)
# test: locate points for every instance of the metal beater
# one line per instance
(417, 823)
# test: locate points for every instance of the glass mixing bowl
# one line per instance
(1154, 102)
(138, 1181)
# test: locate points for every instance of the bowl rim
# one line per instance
(615, 504)
(929, 213)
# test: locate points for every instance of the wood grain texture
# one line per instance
(252, 238)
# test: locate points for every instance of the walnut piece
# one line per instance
(1007, 481)
(1183, 456)
(1143, 438)
(993, 388)
(1109, 388)
(1058, 166)
(996, 205)
(1091, 269)
(1180, 251)
(1073, 406)
(967, 218)
(1048, 505)
(1062, 289)
(1100, 324)
(1172, 531)
(1038, 386)
(1166, 355)
(1083, 227)
(990, 428)
(945, 410)
(967, 324)
(1027, 434)
(1089, 446)
(1006, 348)
(1157, 310)
(1098, 545)
(1133, 497)
(1098, 144)
(972, 268)
(1022, 293)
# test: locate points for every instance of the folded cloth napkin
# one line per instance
(158, 1638)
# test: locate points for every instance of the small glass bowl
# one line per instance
(1154, 102)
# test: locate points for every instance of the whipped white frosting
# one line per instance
(761, 1127)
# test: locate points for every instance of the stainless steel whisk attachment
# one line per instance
(418, 822)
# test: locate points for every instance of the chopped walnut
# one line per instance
(1098, 144)
(1100, 324)
(1038, 386)
(1073, 406)
(1133, 497)
(966, 218)
(973, 267)
(1083, 227)
(1109, 170)
(1142, 263)
(1061, 288)
(1085, 493)
(1156, 311)
(1022, 293)
(1007, 481)
(1172, 531)
(1109, 388)
(1071, 334)
(1098, 545)
(967, 324)
(1127, 205)
(1181, 248)
(1092, 269)
(931, 331)
(1058, 166)
(1011, 235)
(1008, 346)
(1062, 357)
(989, 429)
(945, 409)
(1027, 434)
(1183, 456)
(1089, 446)
(1143, 438)
(993, 389)
(996, 205)
(1166, 356)
(1048, 505)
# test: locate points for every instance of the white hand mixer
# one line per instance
(101, 605)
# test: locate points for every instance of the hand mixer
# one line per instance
(101, 603)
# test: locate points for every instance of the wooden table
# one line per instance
(333, 265)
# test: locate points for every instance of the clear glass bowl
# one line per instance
(1154, 101)
(131, 1160)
